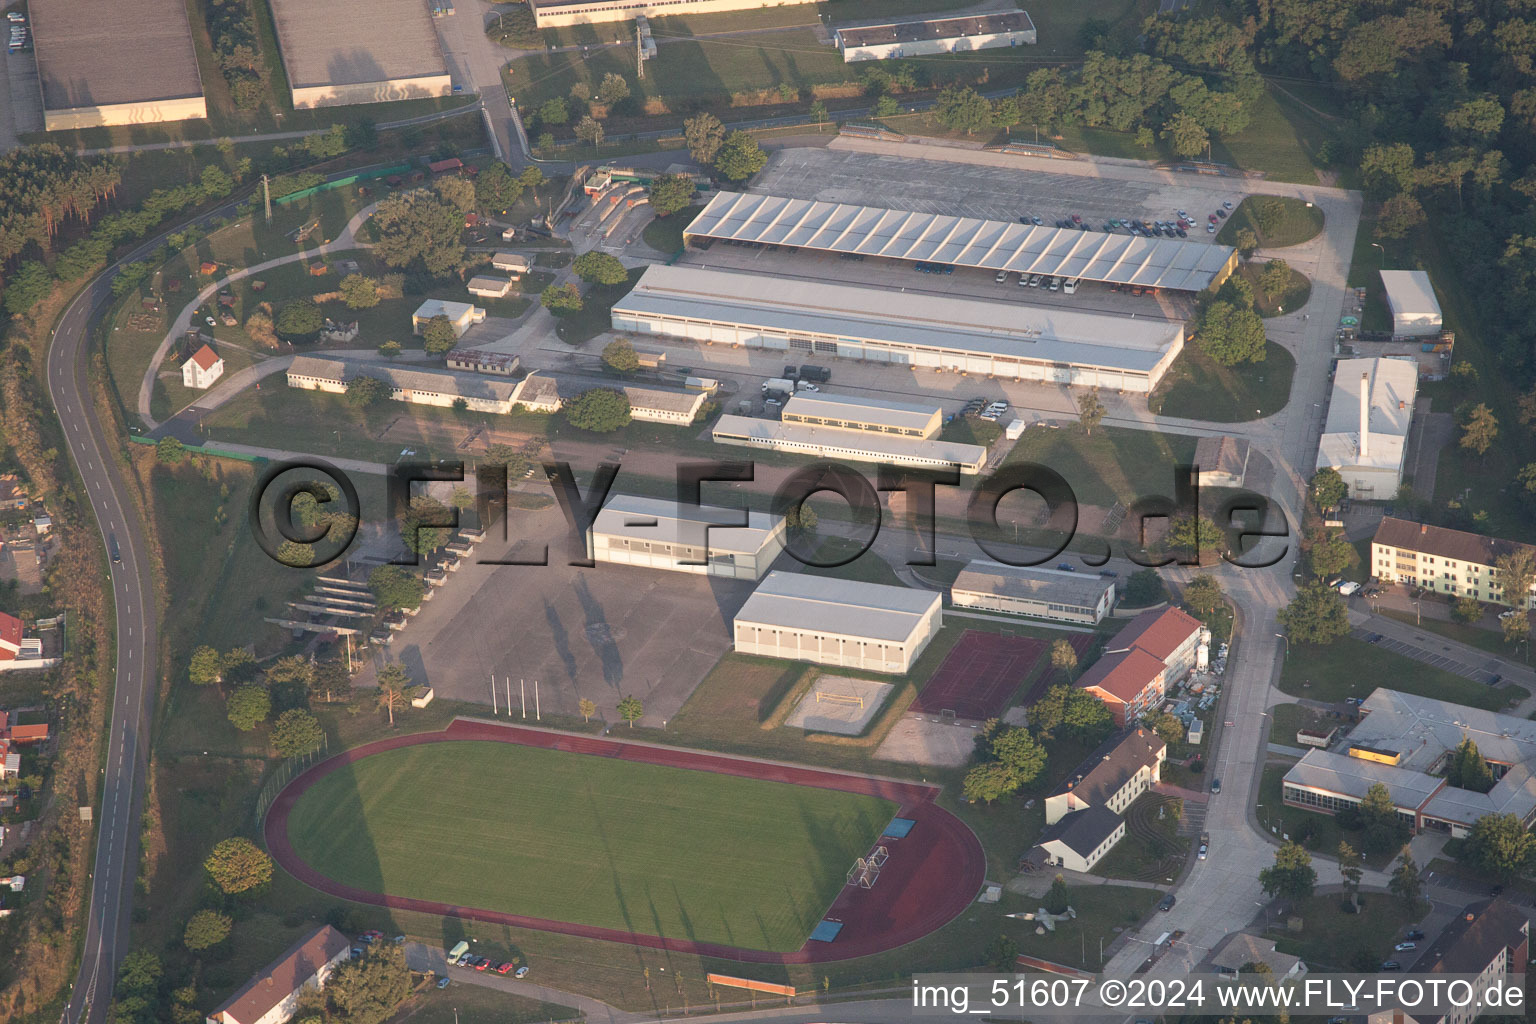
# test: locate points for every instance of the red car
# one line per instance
(503, 968)
(1213, 218)
(482, 964)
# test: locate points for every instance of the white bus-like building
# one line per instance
(832, 621)
(712, 541)
(934, 332)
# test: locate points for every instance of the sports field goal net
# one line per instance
(866, 870)
(849, 699)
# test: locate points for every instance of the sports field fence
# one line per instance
(285, 773)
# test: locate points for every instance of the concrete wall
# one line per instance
(150, 112)
(425, 87)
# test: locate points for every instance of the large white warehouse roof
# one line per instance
(1390, 387)
(845, 607)
(669, 522)
(962, 241)
(1411, 297)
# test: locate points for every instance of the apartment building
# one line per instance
(1451, 562)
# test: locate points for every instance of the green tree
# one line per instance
(1090, 411)
(1328, 489)
(886, 106)
(531, 178)
(1315, 616)
(296, 731)
(631, 710)
(1247, 242)
(438, 335)
(1399, 217)
(1003, 954)
(28, 286)
(561, 300)
(390, 349)
(600, 268)
(496, 188)
(590, 130)
(205, 666)
(1384, 828)
(206, 929)
(619, 356)
(1407, 886)
(1144, 587)
(289, 681)
(1186, 134)
(801, 518)
(238, 865)
(672, 192)
(963, 109)
(613, 88)
(296, 554)
(1352, 868)
(703, 134)
(1292, 875)
(1275, 277)
(366, 391)
(818, 112)
(1329, 553)
(248, 706)
(1063, 657)
(1168, 728)
(554, 112)
(1468, 769)
(1516, 572)
(1021, 752)
(395, 689)
(1203, 595)
(989, 782)
(395, 587)
(600, 410)
(1230, 335)
(1480, 429)
(237, 666)
(1500, 846)
(369, 990)
(299, 320)
(359, 291)
(1058, 897)
(417, 229)
(1466, 609)
(739, 157)
(170, 451)
(587, 709)
(424, 524)
(1195, 536)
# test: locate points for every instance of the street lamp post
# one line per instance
(1287, 641)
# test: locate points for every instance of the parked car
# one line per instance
(1168, 901)
(1391, 965)
(503, 968)
(1403, 947)
(1210, 229)
(483, 964)
(1226, 205)
(1203, 849)
(1215, 785)
(1034, 280)
(522, 972)
(1415, 934)
(1109, 574)
(443, 981)
(1066, 567)
(1002, 275)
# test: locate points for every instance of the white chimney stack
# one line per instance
(1365, 416)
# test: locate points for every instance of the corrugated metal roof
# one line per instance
(1409, 293)
(827, 604)
(1354, 776)
(902, 319)
(926, 29)
(962, 241)
(864, 410)
(446, 382)
(670, 522)
(1032, 582)
(867, 442)
(356, 42)
(123, 51)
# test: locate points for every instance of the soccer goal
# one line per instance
(848, 699)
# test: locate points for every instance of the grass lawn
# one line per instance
(588, 839)
(1332, 940)
(1111, 464)
(1103, 911)
(1490, 640)
(868, 567)
(1152, 850)
(1353, 668)
(665, 234)
(1297, 290)
(1300, 222)
(1282, 140)
(972, 430)
(1319, 833)
(595, 317)
(1285, 719)
(1197, 388)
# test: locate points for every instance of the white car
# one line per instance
(1203, 850)
(1002, 275)
(1511, 613)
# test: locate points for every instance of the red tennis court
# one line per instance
(979, 674)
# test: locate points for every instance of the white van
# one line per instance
(1070, 287)
(457, 952)
(1055, 284)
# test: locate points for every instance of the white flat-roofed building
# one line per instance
(921, 36)
(512, 262)
(709, 540)
(342, 52)
(853, 445)
(994, 339)
(554, 13)
(419, 387)
(462, 315)
(117, 62)
(1365, 436)
(543, 391)
(1028, 590)
(832, 621)
(1175, 263)
(872, 415)
(1411, 298)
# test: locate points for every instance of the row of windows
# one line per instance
(872, 428)
(796, 636)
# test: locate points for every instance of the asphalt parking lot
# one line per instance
(994, 193)
(1486, 673)
(602, 633)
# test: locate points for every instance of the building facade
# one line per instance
(851, 445)
(1030, 590)
(418, 387)
(869, 415)
(556, 13)
(272, 997)
(1365, 435)
(923, 36)
(1450, 562)
(543, 391)
(1149, 656)
(345, 52)
(1411, 299)
(463, 315)
(831, 621)
(203, 368)
(657, 534)
(1085, 815)
(1489, 940)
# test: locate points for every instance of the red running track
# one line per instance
(979, 674)
(931, 876)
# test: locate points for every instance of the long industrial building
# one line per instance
(937, 332)
(853, 445)
(342, 52)
(711, 541)
(774, 221)
(114, 62)
(920, 36)
(418, 387)
(833, 621)
(1411, 298)
(1365, 436)
(554, 13)
(1029, 590)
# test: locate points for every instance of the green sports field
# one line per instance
(588, 840)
